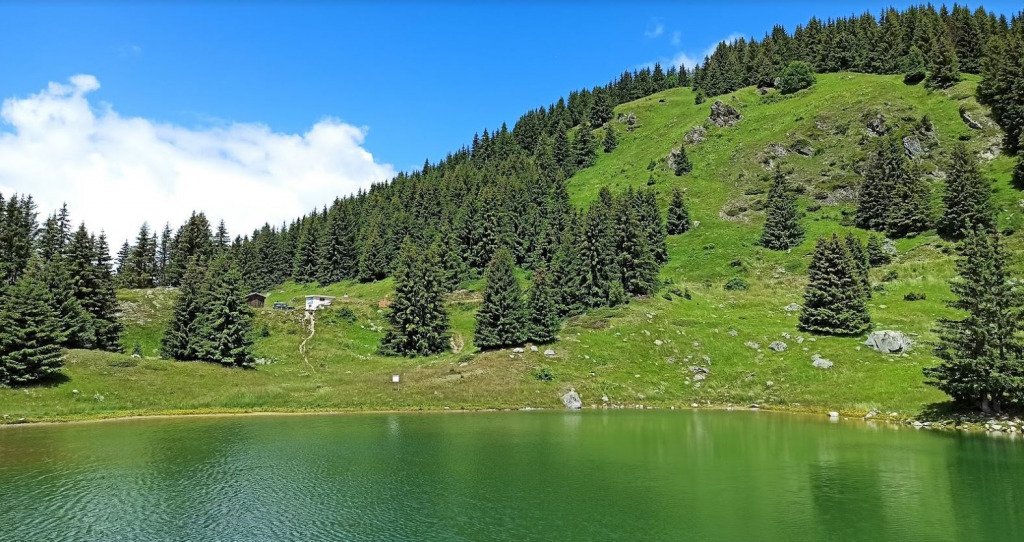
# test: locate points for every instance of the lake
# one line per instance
(612, 475)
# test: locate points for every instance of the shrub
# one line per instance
(797, 76)
(345, 314)
(699, 98)
(737, 284)
(543, 374)
(890, 276)
(915, 296)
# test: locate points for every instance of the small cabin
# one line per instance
(255, 300)
(315, 302)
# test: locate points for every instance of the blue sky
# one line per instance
(419, 78)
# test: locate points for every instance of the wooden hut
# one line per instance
(256, 300)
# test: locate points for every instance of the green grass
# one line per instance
(613, 351)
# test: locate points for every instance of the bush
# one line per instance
(699, 98)
(797, 76)
(344, 314)
(544, 375)
(890, 276)
(915, 296)
(264, 331)
(737, 284)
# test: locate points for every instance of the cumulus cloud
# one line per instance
(117, 172)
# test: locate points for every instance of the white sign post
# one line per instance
(397, 379)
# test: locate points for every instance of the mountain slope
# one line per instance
(650, 351)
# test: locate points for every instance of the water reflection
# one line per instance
(507, 476)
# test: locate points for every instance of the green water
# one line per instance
(507, 476)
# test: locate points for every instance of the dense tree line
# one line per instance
(604, 256)
(57, 291)
(941, 41)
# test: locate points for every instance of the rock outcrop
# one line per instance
(723, 114)
(888, 342)
(572, 400)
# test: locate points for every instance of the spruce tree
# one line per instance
(982, 354)
(885, 167)
(610, 139)
(943, 65)
(909, 210)
(967, 197)
(562, 152)
(305, 270)
(877, 254)
(501, 320)
(782, 229)
(568, 269)
(418, 318)
(649, 215)
(678, 215)
(102, 303)
(224, 324)
(682, 164)
(861, 265)
(30, 334)
(834, 301)
(637, 266)
(595, 242)
(74, 322)
(583, 152)
(914, 71)
(182, 337)
(543, 320)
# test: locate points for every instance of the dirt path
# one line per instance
(311, 316)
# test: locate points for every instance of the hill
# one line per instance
(709, 346)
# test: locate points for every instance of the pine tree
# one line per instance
(75, 324)
(678, 215)
(568, 269)
(562, 153)
(967, 197)
(909, 210)
(877, 254)
(583, 152)
(861, 265)
(102, 303)
(193, 242)
(221, 239)
(885, 167)
(943, 65)
(982, 354)
(637, 267)
(140, 267)
(599, 265)
(782, 229)
(649, 215)
(682, 164)
(305, 270)
(914, 71)
(30, 334)
(224, 324)
(610, 139)
(182, 337)
(419, 321)
(543, 320)
(501, 320)
(834, 300)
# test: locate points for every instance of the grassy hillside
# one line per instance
(640, 354)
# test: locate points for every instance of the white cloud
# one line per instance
(116, 172)
(690, 58)
(677, 38)
(654, 29)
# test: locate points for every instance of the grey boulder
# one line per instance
(572, 400)
(888, 342)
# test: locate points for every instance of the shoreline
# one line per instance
(226, 413)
